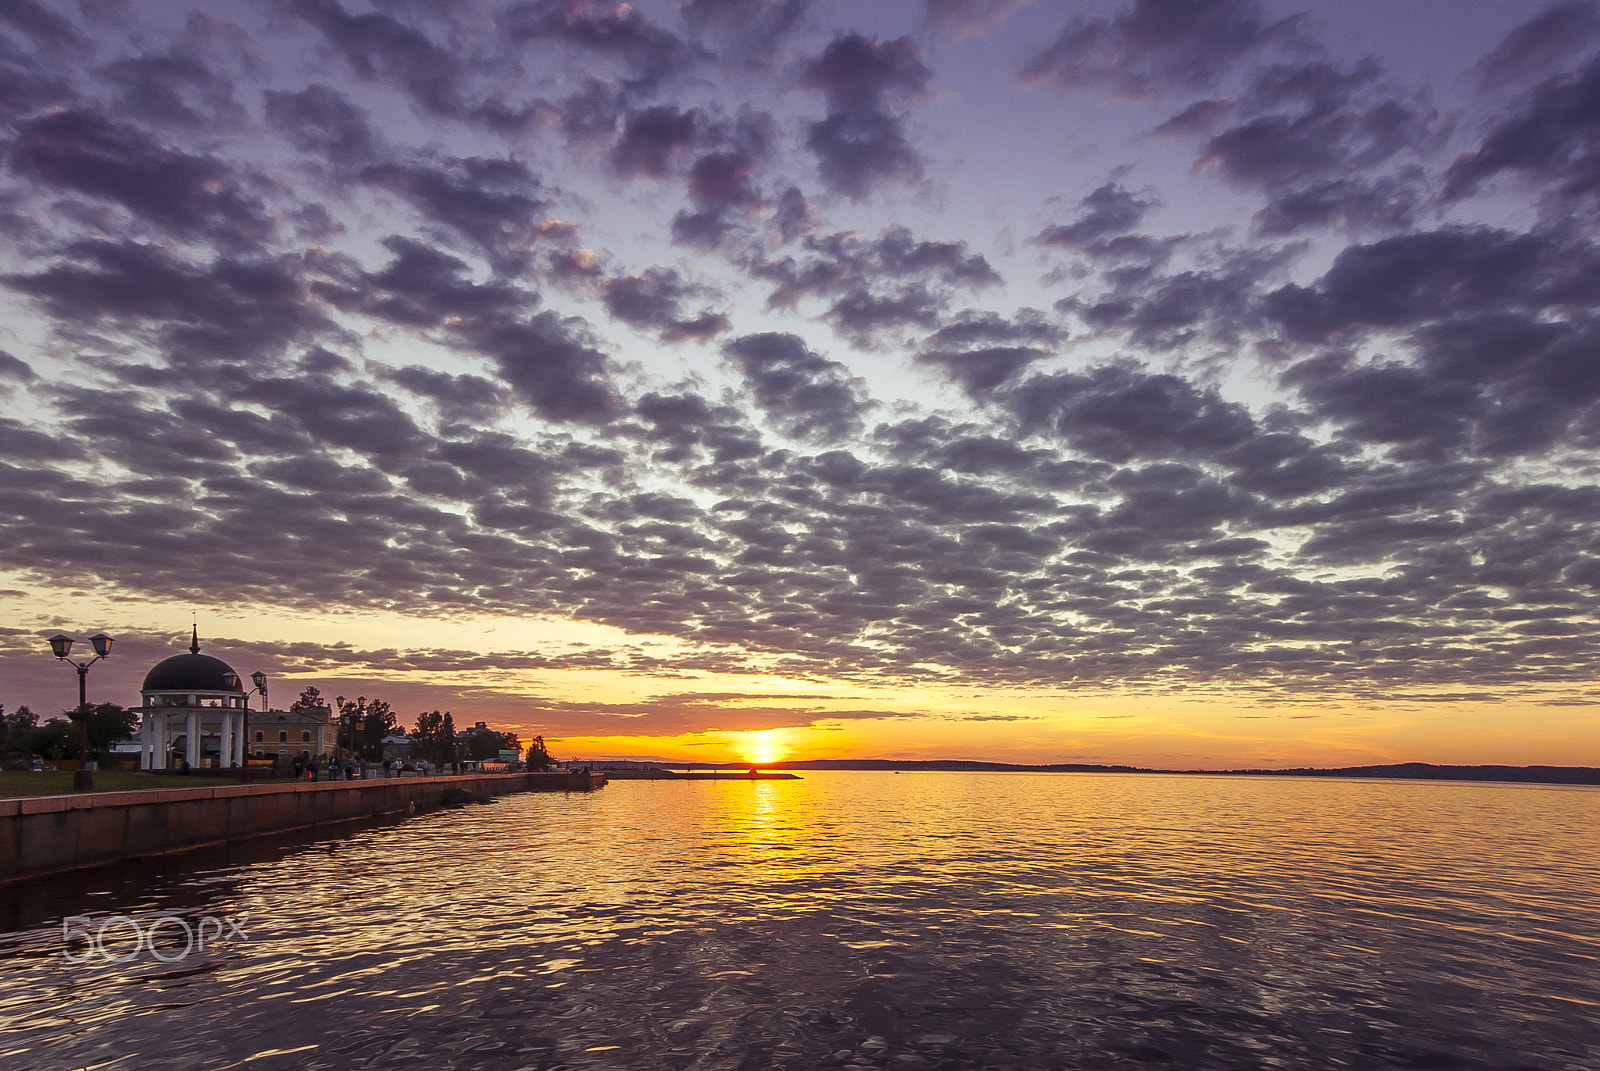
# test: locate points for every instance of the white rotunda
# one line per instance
(194, 711)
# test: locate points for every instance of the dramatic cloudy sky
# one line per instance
(1197, 382)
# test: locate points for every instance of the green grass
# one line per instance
(15, 783)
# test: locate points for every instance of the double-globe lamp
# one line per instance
(61, 647)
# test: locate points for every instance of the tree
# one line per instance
(424, 735)
(108, 724)
(377, 721)
(56, 739)
(310, 699)
(434, 737)
(538, 757)
(17, 732)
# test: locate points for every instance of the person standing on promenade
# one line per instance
(313, 769)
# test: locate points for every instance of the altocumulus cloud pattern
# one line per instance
(1164, 344)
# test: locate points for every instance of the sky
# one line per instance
(1181, 383)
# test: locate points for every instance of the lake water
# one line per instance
(918, 920)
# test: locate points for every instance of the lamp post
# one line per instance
(61, 646)
(259, 679)
(352, 719)
(358, 722)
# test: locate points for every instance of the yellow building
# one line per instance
(287, 733)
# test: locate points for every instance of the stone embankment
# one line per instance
(43, 834)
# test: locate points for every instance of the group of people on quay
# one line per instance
(348, 768)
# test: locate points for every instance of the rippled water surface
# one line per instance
(918, 920)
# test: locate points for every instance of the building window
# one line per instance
(260, 736)
(283, 737)
(305, 736)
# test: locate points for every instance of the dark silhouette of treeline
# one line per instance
(1427, 771)
(1410, 771)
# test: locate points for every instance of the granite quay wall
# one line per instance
(42, 834)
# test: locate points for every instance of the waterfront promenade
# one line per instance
(44, 834)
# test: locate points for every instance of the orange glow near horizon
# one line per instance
(764, 747)
(1160, 733)
(759, 718)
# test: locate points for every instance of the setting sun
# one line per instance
(762, 748)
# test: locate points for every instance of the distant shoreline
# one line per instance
(1403, 771)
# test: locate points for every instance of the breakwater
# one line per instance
(43, 834)
(714, 775)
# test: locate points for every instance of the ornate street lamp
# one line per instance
(359, 722)
(61, 647)
(259, 679)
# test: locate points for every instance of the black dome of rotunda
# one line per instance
(192, 672)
